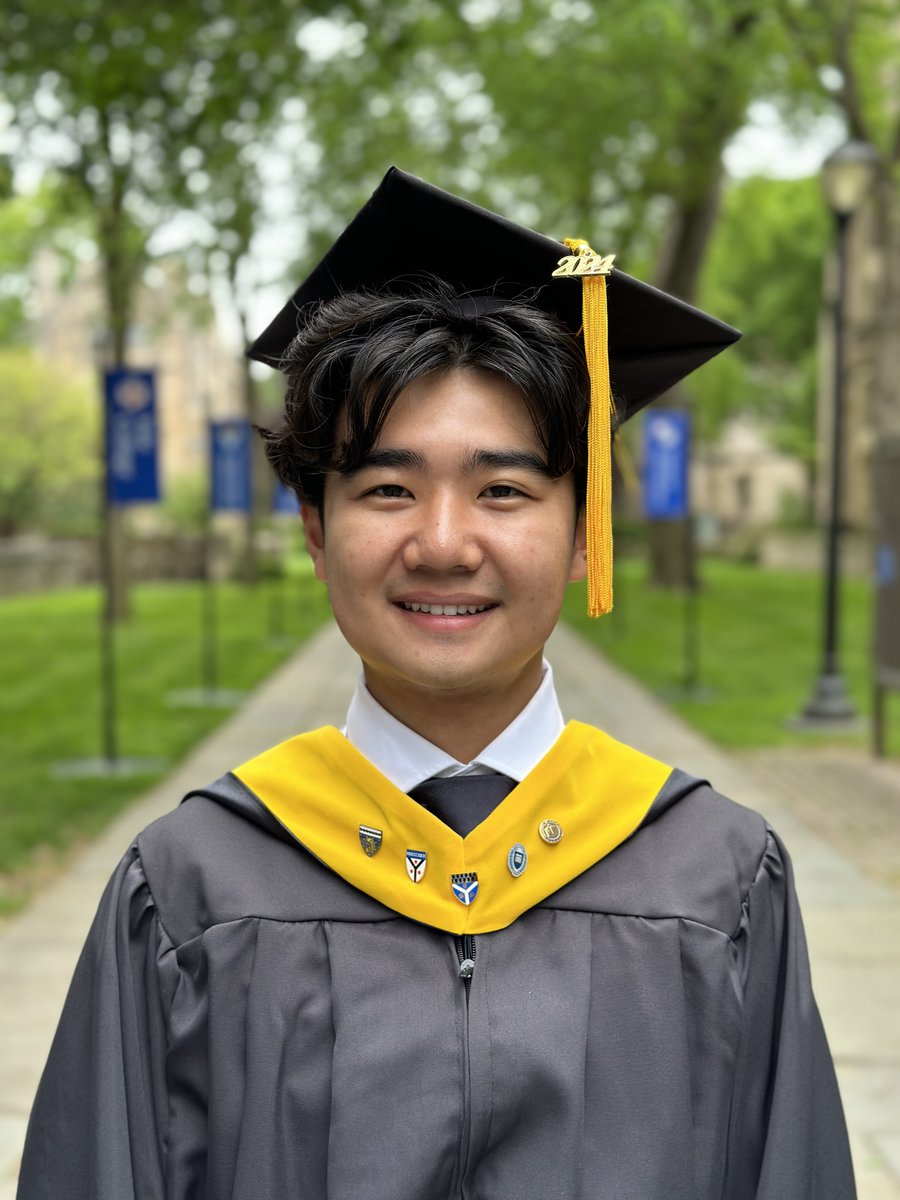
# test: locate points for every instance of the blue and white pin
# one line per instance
(465, 887)
(517, 860)
(416, 862)
(370, 839)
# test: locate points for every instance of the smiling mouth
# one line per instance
(446, 610)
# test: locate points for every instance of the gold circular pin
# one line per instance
(550, 831)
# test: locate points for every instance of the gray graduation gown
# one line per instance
(245, 1025)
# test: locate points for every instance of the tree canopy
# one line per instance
(764, 275)
(48, 428)
(608, 122)
(140, 106)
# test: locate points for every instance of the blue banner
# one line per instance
(229, 443)
(284, 500)
(667, 440)
(132, 437)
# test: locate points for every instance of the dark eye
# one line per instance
(390, 491)
(501, 491)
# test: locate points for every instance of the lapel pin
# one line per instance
(416, 862)
(370, 839)
(550, 831)
(517, 860)
(465, 887)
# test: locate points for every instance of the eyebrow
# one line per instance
(522, 460)
(477, 460)
(410, 460)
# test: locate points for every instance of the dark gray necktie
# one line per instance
(463, 801)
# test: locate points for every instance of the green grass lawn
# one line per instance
(50, 703)
(760, 637)
(759, 654)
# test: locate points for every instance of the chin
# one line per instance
(445, 676)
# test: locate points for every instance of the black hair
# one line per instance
(356, 353)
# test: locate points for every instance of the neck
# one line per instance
(459, 722)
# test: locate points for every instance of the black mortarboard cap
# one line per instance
(639, 341)
(409, 229)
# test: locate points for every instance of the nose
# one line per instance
(444, 538)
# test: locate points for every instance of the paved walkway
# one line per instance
(852, 911)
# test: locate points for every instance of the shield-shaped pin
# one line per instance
(416, 862)
(370, 839)
(465, 887)
(517, 860)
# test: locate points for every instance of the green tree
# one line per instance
(49, 432)
(764, 274)
(43, 216)
(110, 95)
(848, 51)
(608, 123)
(112, 98)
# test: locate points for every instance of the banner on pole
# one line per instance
(667, 439)
(132, 436)
(230, 442)
(284, 500)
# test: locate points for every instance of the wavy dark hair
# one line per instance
(355, 354)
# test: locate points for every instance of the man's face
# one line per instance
(447, 554)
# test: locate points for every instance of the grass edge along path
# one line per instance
(760, 649)
(50, 702)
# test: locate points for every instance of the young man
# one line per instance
(459, 949)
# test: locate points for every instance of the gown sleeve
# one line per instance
(787, 1130)
(98, 1124)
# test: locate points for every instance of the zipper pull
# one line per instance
(465, 951)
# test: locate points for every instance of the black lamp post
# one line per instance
(847, 177)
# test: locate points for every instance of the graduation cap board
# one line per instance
(639, 341)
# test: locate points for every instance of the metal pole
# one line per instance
(878, 720)
(832, 548)
(208, 607)
(276, 606)
(107, 615)
(691, 640)
(830, 701)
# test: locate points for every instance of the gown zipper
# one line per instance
(465, 952)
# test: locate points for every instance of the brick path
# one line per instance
(850, 800)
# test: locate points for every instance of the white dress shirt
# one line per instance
(408, 759)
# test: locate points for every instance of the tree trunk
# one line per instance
(671, 543)
(673, 554)
(260, 474)
(114, 519)
(718, 111)
(689, 233)
(118, 287)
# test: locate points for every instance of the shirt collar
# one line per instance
(408, 759)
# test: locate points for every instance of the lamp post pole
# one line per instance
(830, 700)
(847, 176)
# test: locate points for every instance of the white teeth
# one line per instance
(444, 610)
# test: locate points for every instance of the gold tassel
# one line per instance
(592, 270)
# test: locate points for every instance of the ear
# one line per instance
(578, 567)
(315, 538)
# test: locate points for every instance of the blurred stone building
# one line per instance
(743, 481)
